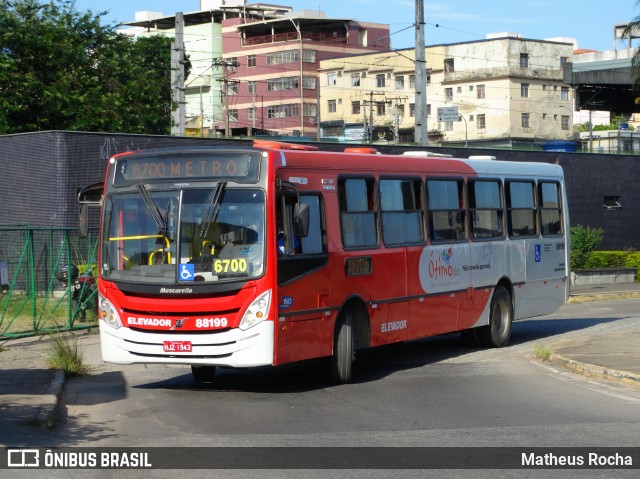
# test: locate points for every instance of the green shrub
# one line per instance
(606, 259)
(584, 240)
(633, 261)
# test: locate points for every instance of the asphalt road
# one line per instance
(433, 392)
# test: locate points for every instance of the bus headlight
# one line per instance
(108, 313)
(257, 311)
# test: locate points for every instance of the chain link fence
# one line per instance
(47, 280)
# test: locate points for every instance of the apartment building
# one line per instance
(273, 85)
(508, 91)
(254, 66)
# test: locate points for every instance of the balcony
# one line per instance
(318, 37)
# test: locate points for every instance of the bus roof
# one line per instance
(367, 158)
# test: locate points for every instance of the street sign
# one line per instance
(448, 113)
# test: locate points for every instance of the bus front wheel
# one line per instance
(343, 349)
(497, 333)
(203, 374)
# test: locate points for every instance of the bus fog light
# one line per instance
(108, 313)
(257, 311)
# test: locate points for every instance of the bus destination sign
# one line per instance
(186, 166)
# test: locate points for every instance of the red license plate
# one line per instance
(176, 346)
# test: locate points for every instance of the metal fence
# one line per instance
(34, 298)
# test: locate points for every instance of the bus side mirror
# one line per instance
(301, 220)
(83, 226)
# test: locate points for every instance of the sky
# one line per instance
(590, 22)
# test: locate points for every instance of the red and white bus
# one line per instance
(277, 253)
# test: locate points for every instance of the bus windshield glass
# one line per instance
(179, 236)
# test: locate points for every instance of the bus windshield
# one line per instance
(178, 236)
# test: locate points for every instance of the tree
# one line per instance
(60, 69)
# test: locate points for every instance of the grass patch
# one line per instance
(64, 355)
(542, 353)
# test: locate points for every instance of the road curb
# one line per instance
(592, 370)
(47, 414)
(583, 298)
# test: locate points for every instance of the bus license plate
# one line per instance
(176, 346)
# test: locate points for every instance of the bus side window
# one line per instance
(447, 216)
(485, 205)
(550, 208)
(521, 208)
(358, 216)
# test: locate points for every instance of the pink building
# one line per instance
(271, 68)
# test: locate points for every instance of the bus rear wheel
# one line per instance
(203, 374)
(497, 333)
(343, 349)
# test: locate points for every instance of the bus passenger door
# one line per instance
(303, 293)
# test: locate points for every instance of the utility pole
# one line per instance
(226, 66)
(177, 78)
(421, 131)
(369, 130)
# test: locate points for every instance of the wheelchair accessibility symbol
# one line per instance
(538, 253)
(186, 272)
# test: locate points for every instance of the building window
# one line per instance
(480, 91)
(310, 110)
(251, 113)
(381, 108)
(448, 94)
(412, 110)
(309, 83)
(564, 93)
(355, 79)
(309, 56)
(332, 106)
(449, 66)
(279, 84)
(524, 60)
(564, 122)
(278, 58)
(332, 78)
(448, 126)
(400, 82)
(232, 88)
(563, 61)
(283, 111)
(412, 82)
(233, 115)
(251, 87)
(525, 120)
(251, 61)
(355, 107)
(380, 80)
(480, 123)
(524, 90)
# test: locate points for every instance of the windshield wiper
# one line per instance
(153, 208)
(211, 212)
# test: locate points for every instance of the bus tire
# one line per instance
(497, 333)
(343, 349)
(203, 374)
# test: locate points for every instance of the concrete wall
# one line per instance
(42, 173)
